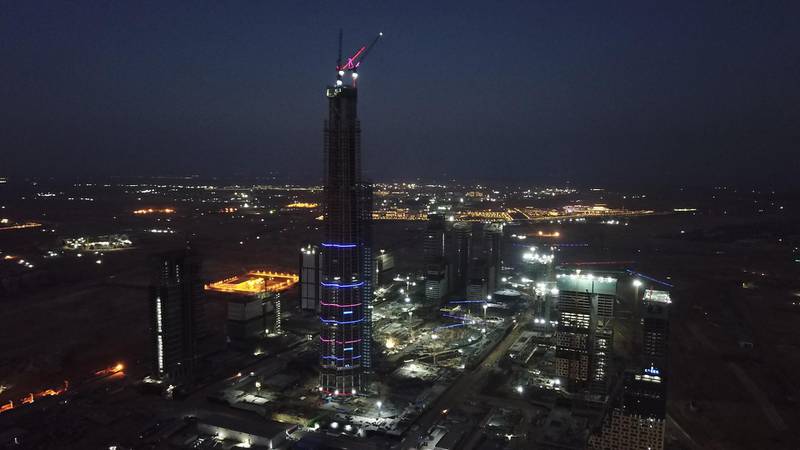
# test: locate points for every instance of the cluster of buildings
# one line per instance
(571, 314)
(462, 257)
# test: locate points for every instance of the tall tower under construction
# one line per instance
(346, 279)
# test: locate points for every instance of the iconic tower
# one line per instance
(346, 276)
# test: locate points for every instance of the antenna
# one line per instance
(339, 58)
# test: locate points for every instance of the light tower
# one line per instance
(346, 276)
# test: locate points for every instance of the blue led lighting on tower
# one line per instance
(346, 278)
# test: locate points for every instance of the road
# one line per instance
(461, 389)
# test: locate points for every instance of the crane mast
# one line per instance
(353, 62)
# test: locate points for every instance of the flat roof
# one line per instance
(652, 295)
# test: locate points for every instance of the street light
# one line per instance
(380, 405)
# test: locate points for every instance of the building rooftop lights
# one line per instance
(652, 295)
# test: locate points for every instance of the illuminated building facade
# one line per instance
(347, 267)
(177, 315)
(584, 337)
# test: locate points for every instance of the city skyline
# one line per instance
(543, 225)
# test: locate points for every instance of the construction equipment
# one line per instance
(354, 62)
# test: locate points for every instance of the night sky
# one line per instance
(603, 93)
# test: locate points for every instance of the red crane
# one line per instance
(354, 62)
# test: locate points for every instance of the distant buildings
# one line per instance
(177, 315)
(584, 337)
(462, 257)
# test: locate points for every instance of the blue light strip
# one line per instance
(450, 326)
(327, 244)
(340, 322)
(468, 301)
(341, 359)
(649, 278)
(340, 286)
(348, 349)
(347, 312)
(456, 317)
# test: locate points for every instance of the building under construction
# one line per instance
(346, 276)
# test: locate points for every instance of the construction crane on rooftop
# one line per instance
(354, 62)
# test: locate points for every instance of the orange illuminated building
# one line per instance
(33, 396)
(20, 226)
(155, 211)
(255, 282)
(302, 205)
(540, 233)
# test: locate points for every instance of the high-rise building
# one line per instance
(435, 250)
(310, 266)
(638, 418)
(384, 266)
(477, 281)
(655, 329)
(493, 250)
(584, 336)
(460, 255)
(177, 315)
(346, 275)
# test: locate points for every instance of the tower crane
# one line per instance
(353, 62)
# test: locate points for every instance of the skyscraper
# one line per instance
(435, 253)
(346, 276)
(177, 314)
(493, 250)
(638, 417)
(460, 254)
(584, 336)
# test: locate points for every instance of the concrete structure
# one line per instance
(384, 266)
(460, 254)
(436, 250)
(477, 281)
(493, 250)
(176, 315)
(655, 329)
(244, 432)
(347, 266)
(310, 267)
(584, 337)
(638, 418)
(247, 316)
